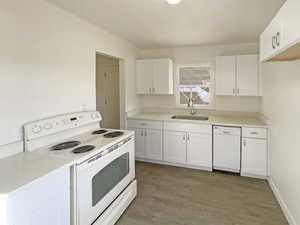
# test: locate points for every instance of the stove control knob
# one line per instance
(48, 126)
(94, 116)
(36, 129)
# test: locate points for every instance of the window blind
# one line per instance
(194, 75)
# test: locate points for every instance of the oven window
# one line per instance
(106, 179)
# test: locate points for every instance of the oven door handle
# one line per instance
(105, 152)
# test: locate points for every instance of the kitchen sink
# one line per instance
(190, 117)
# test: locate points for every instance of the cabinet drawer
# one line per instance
(252, 132)
(188, 127)
(145, 124)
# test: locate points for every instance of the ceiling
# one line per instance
(154, 24)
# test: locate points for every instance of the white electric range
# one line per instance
(103, 172)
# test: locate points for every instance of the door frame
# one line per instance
(122, 87)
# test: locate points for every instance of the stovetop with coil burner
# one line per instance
(113, 134)
(65, 145)
(79, 148)
(85, 148)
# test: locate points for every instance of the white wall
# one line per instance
(203, 55)
(48, 64)
(281, 106)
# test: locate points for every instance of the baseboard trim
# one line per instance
(288, 215)
(174, 164)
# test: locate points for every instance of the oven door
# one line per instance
(101, 179)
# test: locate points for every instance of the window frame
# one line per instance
(211, 104)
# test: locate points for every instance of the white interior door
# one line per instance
(175, 146)
(144, 76)
(226, 75)
(153, 144)
(199, 149)
(254, 156)
(108, 91)
(247, 75)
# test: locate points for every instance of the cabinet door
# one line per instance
(153, 144)
(254, 156)
(199, 149)
(140, 151)
(163, 77)
(247, 75)
(290, 18)
(144, 76)
(225, 75)
(175, 147)
(268, 39)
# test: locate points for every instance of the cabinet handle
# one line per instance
(277, 39)
(183, 137)
(226, 132)
(273, 40)
(188, 136)
(244, 142)
(254, 133)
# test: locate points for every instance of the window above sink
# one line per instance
(196, 82)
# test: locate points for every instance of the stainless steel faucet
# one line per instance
(190, 105)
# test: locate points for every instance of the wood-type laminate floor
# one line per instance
(179, 196)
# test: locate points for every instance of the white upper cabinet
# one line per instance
(225, 75)
(247, 75)
(290, 17)
(269, 39)
(154, 76)
(144, 76)
(237, 75)
(163, 76)
(280, 41)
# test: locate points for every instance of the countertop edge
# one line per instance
(213, 123)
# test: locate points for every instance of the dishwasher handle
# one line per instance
(235, 131)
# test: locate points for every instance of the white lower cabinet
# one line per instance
(175, 146)
(140, 150)
(199, 149)
(191, 145)
(254, 157)
(188, 144)
(153, 144)
(45, 201)
(148, 143)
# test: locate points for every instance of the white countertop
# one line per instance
(24, 168)
(214, 120)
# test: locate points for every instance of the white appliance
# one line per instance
(103, 170)
(227, 148)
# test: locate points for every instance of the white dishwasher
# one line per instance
(227, 148)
